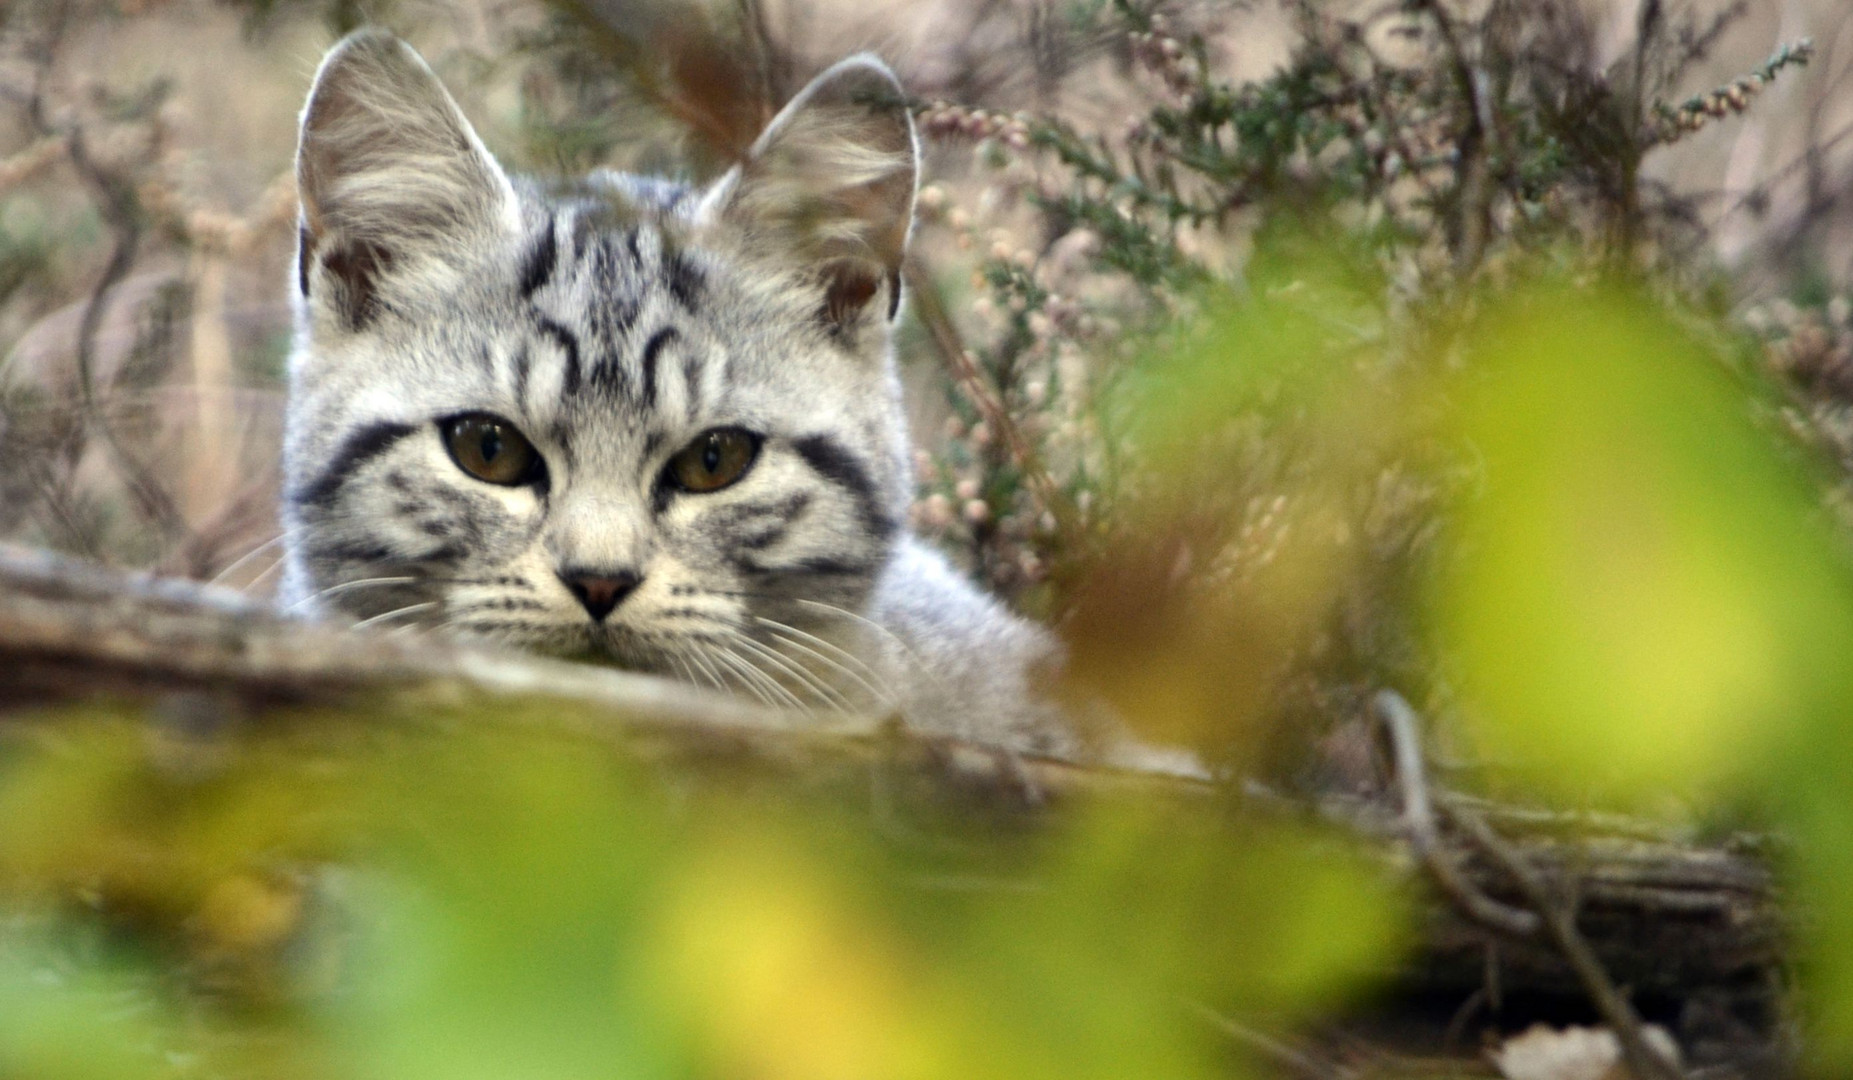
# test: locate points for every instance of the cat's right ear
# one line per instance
(395, 186)
(826, 195)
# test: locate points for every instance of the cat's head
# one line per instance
(619, 417)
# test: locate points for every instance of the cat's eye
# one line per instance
(713, 460)
(491, 449)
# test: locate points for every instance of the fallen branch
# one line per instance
(1559, 915)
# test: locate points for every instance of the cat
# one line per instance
(629, 419)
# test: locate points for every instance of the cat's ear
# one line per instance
(395, 185)
(827, 191)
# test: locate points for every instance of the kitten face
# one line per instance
(626, 419)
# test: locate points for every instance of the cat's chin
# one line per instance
(605, 646)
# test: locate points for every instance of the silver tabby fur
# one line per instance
(612, 320)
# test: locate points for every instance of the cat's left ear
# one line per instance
(397, 191)
(827, 191)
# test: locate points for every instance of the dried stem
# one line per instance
(945, 337)
(1420, 822)
(1643, 1060)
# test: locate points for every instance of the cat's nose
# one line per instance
(600, 590)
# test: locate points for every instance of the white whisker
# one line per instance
(238, 563)
(747, 668)
(344, 587)
(395, 613)
(807, 680)
(264, 574)
(870, 623)
(735, 665)
(711, 672)
(790, 635)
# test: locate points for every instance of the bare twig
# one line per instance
(1420, 823)
(977, 388)
(1644, 1061)
(1288, 1057)
(1473, 193)
(118, 206)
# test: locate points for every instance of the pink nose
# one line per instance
(599, 591)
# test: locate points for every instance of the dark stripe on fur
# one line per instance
(652, 349)
(569, 344)
(685, 281)
(304, 256)
(816, 566)
(763, 524)
(355, 451)
(609, 375)
(832, 462)
(691, 375)
(537, 269)
(523, 361)
(354, 551)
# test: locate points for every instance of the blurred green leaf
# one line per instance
(1645, 599)
(488, 903)
(63, 1021)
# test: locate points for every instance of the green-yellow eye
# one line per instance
(715, 459)
(490, 449)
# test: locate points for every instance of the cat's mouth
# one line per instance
(618, 646)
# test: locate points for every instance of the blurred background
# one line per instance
(146, 214)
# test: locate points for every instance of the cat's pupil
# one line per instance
(491, 444)
(711, 454)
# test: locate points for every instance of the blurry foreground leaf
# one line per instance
(481, 902)
(1245, 437)
(61, 1023)
(1645, 599)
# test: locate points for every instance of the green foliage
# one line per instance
(479, 902)
(1645, 596)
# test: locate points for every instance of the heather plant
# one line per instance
(1390, 178)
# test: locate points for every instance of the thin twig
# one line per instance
(945, 337)
(118, 207)
(1419, 820)
(1474, 190)
(1288, 1057)
(1643, 1060)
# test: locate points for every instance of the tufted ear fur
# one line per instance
(827, 192)
(395, 186)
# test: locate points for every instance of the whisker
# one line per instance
(263, 574)
(743, 684)
(395, 613)
(772, 685)
(790, 635)
(238, 563)
(710, 671)
(686, 668)
(807, 680)
(870, 623)
(344, 587)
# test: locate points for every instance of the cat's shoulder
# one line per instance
(970, 666)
